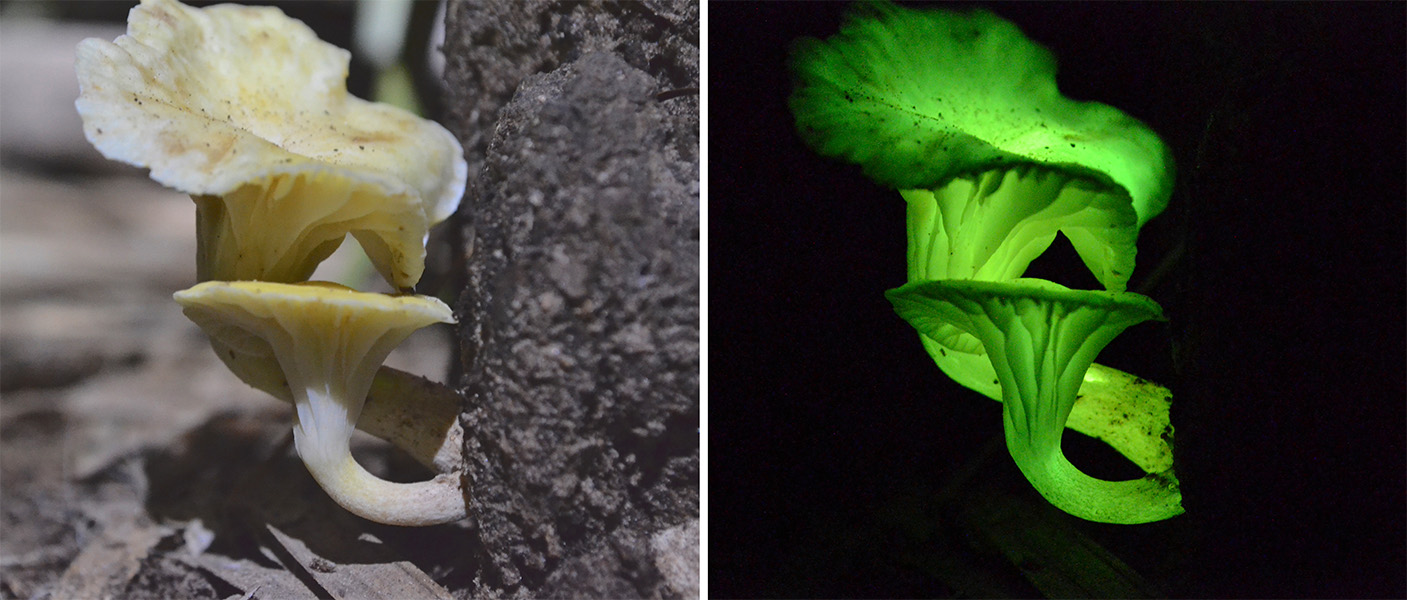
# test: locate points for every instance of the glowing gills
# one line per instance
(961, 114)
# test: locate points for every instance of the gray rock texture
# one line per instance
(580, 318)
(492, 45)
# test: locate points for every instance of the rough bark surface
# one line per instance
(580, 320)
(492, 45)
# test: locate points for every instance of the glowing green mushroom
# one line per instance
(329, 341)
(922, 97)
(1041, 337)
(960, 112)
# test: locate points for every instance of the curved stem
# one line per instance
(1040, 341)
(325, 413)
(1039, 391)
(432, 502)
(414, 414)
(1125, 411)
(1154, 497)
(323, 346)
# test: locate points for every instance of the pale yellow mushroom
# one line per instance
(329, 341)
(414, 414)
(247, 111)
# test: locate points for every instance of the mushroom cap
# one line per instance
(918, 97)
(992, 225)
(307, 318)
(322, 335)
(220, 99)
(280, 228)
(959, 313)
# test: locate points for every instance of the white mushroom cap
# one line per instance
(223, 99)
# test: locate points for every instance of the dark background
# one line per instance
(1283, 278)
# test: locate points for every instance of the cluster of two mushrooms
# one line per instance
(960, 113)
(247, 111)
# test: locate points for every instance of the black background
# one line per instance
(1284, 246)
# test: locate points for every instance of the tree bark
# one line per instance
(580, 315)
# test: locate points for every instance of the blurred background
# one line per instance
(97, 363)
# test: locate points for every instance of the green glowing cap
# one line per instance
(918, 97)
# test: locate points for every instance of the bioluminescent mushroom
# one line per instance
(1041, 337)
(926, 98)
(960, 112)
(247, 111)
(329, 342)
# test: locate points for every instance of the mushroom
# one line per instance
(921, 97)
(960, 112)
(1041, 337)
(414, 414)
(329, 341)
(247, 111)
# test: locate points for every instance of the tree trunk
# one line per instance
(580, 314)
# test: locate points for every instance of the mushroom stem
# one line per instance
(1041, 339)
(1154, 497)
(1037, 452)
(414, 414)
(1127, 412)
(322, 443)
(1041, 352)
